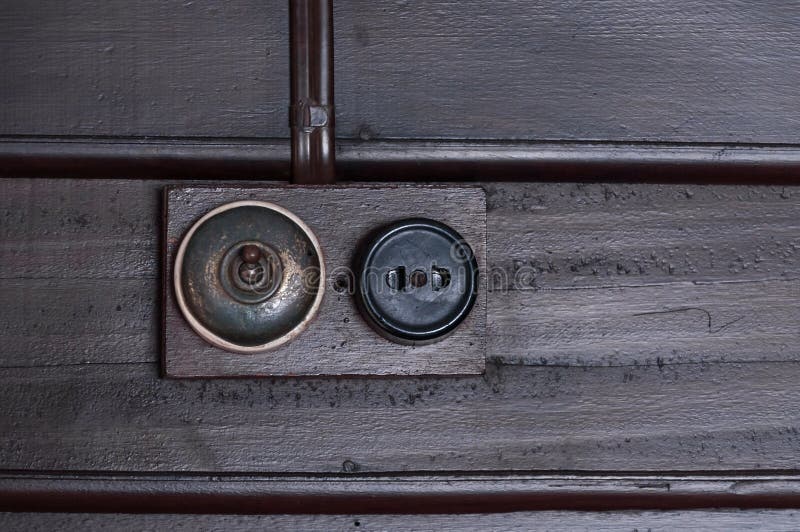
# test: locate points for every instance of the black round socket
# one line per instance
(417, 280)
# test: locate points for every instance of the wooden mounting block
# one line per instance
(338, 341)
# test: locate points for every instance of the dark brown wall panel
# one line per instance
(123, 418)
(656, 71)
(651, 328)
(696, 71)
(580, 274)
(152, 68)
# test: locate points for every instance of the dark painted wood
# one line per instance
(716, 71)
(124, 418)
(601, 272)
(630, 275)
(152, 68)
(338, 341)
(610, 263)
(614, 371)
(703, 71)
(80, 262)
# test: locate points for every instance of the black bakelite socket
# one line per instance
(417, 280)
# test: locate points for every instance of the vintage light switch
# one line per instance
(247, 276)
(263, 281)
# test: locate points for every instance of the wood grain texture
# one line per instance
(698, 71)
(153, 68)
(85, 393)
(604, 274)
(776, 520)
(122, 417)
(578, 274)
(338, 341)
(614, 70)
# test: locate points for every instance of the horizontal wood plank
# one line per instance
(651, 324)
(703, 355)
(80, 321)
(776, 520)
(610, 274)
(617, 71)
(578, 274)
(696, 71)
(122, 417)
(338, 341)
(552, 236)
(96, 67)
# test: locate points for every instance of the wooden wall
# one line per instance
(697, 71)
(646, 328)
(654, 328)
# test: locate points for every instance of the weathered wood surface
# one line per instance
(606, 274)
(776, 520)
(694, 71)
(79, 279)
(153, 68)
(338, 341)
(122, 417)
(578, 274)
(701, 71)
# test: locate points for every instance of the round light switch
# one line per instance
(248, 276)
